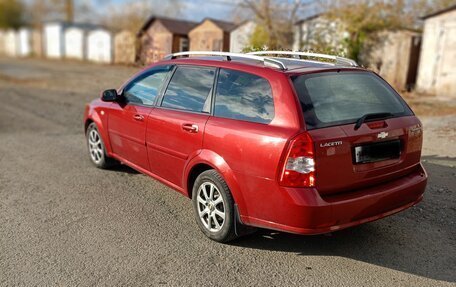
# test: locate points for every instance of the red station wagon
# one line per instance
(265, 140)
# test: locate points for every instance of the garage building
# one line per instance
(436, 73)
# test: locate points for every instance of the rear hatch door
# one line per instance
(349, 153)
(346, 160)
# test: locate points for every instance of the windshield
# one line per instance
(336, 98)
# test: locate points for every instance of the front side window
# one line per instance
(244, 97)
(189, 89)
(144, 89)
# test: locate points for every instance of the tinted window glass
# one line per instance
(146, 87)
(189, 89)
(243, 96)
(332, 98)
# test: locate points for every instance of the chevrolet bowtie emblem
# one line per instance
(382, 135)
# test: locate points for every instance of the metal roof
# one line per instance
(175, 26)
(436, 13)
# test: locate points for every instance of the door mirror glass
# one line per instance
(110, 96)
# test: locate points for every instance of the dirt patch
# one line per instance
(426, 105)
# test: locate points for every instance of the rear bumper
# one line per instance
(306, 212)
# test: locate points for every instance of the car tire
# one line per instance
(97, 149)
(214, 207)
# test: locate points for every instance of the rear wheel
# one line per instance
(214, 206)
(97, 150)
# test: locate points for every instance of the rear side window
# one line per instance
(336, 98)
(243, 96)
(144, 89)
(189, 89)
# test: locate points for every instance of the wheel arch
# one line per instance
(87, 123)
(196, 170)
(94, 117)
(206, 160)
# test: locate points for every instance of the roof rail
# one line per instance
(339, 60)
(266, 61)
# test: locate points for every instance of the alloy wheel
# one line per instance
(95, 146)
(211, 207)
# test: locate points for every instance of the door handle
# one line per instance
(191, 128)
(139, 118)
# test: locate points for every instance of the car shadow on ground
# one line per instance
(122, 168)
(418, 241)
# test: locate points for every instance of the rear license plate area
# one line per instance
(378, 151)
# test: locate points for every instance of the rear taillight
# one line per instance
(299, 164)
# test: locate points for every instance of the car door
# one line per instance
(127, 120)
(176, 127)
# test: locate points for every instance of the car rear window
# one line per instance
(336, 98)
(243, 96)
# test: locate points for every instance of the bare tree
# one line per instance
(64, 8)
(276, 19)
(130, 14)
(69, 10)
(419, 8)
(133, 13)
(39, 11)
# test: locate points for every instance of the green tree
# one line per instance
(258, 40)
(365, 19)
(11, 14)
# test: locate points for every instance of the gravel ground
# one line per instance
(64, 222)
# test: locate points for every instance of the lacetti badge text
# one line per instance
(329, 144)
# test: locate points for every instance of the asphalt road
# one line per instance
(64, 222)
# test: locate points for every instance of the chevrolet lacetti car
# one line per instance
(265, 140)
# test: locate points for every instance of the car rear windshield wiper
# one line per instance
(362, 119)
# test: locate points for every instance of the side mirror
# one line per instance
(110, 96)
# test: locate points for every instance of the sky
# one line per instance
(198, 9)
(194, 10)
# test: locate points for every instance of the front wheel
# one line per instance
(214, 206)
(97, 150)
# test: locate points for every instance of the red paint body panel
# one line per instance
(307, 212)
(127, 132)
(250, 157)
(218, 163)
(350, 176)
(252, 152)
(169, 146)
(95, 112)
